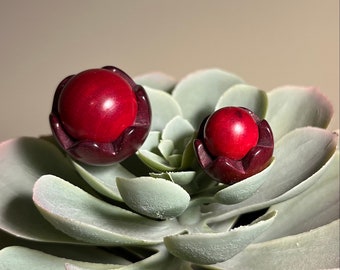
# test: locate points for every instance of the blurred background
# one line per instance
(268, 43)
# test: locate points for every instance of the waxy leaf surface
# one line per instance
(22, 162)
(103, 178)
(23, 258)
(210, 248)
(164, 108)
(91, 220)
(316, 249)
(291, 107)
(247, 96)
(313, 208)
(156, 80)
(153, 197)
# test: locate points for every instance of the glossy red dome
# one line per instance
(230, 132)
(97, 105)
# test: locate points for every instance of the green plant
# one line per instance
(159, 210)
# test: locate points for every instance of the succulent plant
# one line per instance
(160, 209)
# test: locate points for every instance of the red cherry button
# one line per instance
(230, 132)
(97, 105)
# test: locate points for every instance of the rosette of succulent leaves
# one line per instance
(159, 210)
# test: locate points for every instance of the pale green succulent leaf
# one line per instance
(210, 248)
(164, 108)
(243, 95)
(78, 252)
(152, 141)
(198, 93)
(181, 177)
(156, 80)
(242, 190)
(22, 162)
(222, 225)
(103, 178)
(175, 160)
(178, 130)
(166, 148)
(153, 197)
(15, 257)
(315, 249)
(154, 161)
(291, 107)
(166, 262)
(313, 147)
(91, 220)
(160, 260)
(315, 207)
(189, 160)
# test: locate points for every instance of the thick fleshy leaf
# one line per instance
(179, 131)
(153, 197)
(189, 160)
(22, 162)
(242, 190)
(166, 147)
(154, 161)
(15, 257)
(243, 95)
(161, 260)
(315, 207)
(91, 220)
(156, 80)
(103, 178)
(181, 177)
(198, 93)
(164, 108)
(209, 248)
(292, 107)
(175, 160)
(152, 141)
(316, 249)
(81, 252)
(312, 147)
